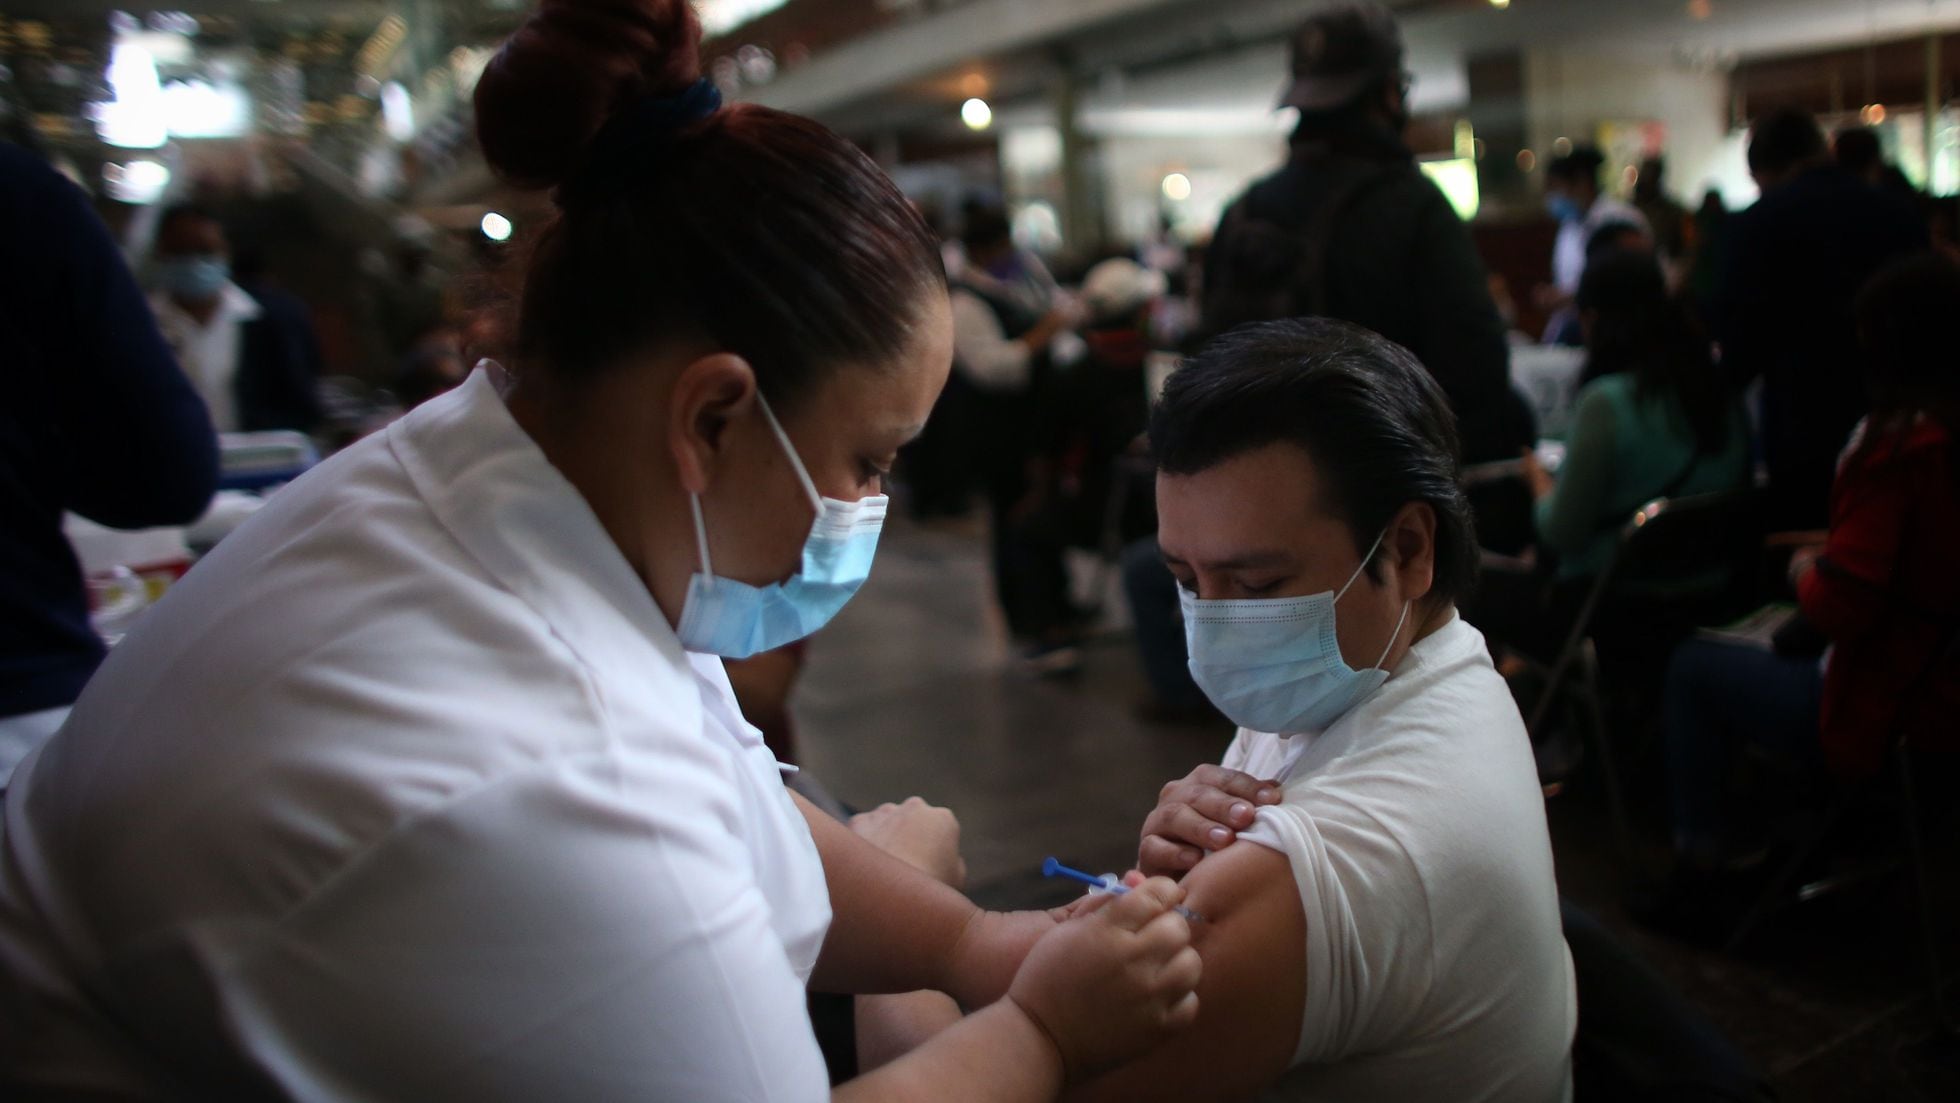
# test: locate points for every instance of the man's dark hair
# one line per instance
(1580, 165)
(178, 212)
(1784, 139)
(1615, 234)
(986, 227)
(1904, 314)
(1372, 420)
(1857, 149)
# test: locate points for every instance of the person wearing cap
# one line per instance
(1573, 197)
(1351, 229)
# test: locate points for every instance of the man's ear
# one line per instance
(1411, 549)
(708, 395)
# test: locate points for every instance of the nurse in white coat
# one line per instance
(428, 783)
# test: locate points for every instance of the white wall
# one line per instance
(1219, 167)
(1569, 94)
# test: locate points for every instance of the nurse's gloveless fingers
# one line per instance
(1135, 909)
(1185, 1011)
(1164, 936)
(1181, 974)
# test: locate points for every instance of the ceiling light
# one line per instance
(976, 114)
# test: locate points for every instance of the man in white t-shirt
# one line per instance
(1386, 923)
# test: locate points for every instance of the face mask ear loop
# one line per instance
(1395, 635)
(1365, 560)
(701, 539)
(795, 461)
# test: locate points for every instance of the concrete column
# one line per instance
(1933, 104)
(1082, 229)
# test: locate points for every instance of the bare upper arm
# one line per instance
(1253, 995)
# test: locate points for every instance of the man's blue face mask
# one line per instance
(197, 278)
(1274, 664)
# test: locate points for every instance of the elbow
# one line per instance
(177, 494)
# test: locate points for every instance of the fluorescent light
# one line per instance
(140, 182)
(134, 119)
(397, 111)
(722, 16)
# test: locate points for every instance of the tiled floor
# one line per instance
(911, 692)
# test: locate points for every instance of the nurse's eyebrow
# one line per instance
(1249, 561)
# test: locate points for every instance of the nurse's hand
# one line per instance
(1113, 981)
(1202, 812)
(923, 836)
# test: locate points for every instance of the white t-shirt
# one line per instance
(1415, 827)
(408, 791)
(209, 351)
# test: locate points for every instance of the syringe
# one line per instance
(1108, 883)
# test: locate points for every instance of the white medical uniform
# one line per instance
(1437, 970)
(409, 792)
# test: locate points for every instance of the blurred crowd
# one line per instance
(1715, 495)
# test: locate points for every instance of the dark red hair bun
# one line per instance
(568, 69)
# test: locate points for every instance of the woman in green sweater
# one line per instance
(1655, 418)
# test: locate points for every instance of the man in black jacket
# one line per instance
(1351, 229)
(1795, 263)
(97, 421)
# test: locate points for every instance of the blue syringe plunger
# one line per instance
(1108, 882)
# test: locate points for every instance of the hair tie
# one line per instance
(628, 140)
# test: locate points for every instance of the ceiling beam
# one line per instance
(924, 47)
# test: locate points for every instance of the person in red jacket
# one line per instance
(1881, 590)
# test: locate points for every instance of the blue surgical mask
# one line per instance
(1564, 208)
(735, 620)
(195, 278)
(1273, 664)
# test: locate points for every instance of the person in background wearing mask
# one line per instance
(1793, 264)
(429, 784)
(1574, 199)
(1386, 925)
(254, 368)
(98, 421)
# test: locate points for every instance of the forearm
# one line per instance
(893, 928)
(889, 1027)
(996, 1056)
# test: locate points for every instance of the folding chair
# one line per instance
(1680, 564)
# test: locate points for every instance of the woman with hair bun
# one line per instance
(428, 783)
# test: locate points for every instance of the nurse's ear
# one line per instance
(1409, 549)
(709, 394)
